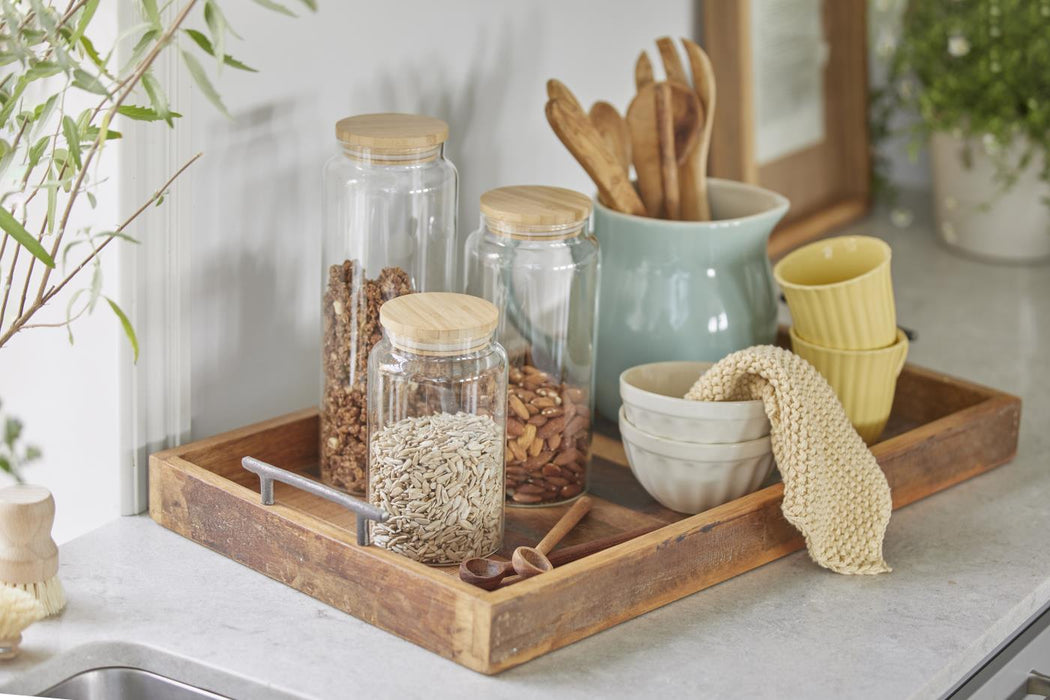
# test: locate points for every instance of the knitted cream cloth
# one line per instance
(834, 491)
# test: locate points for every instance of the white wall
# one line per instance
(481, 66)
(68, 395)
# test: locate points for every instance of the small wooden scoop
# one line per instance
(529, 561)
(565, 555)
(526, 561)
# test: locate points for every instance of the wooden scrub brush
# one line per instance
(18, 610)
(28, 555)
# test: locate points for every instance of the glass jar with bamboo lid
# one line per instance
(437, 399)
(536, 260)
(389, 228)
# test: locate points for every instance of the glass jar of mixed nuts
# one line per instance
(389, 212)
(535, 259)
(437, 397)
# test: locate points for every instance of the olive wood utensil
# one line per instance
(704, 85)
(530, 561)
(560, 557)
(643, 71)
(668, 164)
(487, 573)
(614, 131)
(557, 90)
(582, 139)
(645, 145)
(672, 63)
(688, 174)
(491, 574)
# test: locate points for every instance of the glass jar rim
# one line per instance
(533, 231)
(392, 156)
(446, 348)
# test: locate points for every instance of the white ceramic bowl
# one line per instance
(652, 397)
(693, 477)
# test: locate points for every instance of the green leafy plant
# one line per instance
(13, 454)
(979, 69)
(49, 151)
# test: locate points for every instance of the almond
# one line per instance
(518, 407)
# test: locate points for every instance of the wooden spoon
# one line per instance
(530, 561)
(614, 131)
(687, 175)
(672, 63)
(489, 573)
(645, 145)
(668, 164)
(557, 90)
(582, 139)
(560, 557)
(704, 85)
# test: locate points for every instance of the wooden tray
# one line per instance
(942, 431)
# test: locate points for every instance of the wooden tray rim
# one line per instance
(493, 599)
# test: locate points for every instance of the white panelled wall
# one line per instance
(479, 65)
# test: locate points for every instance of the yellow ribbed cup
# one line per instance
(840, 292)
(864, 380)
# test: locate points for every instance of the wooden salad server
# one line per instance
(643, 71)
(614, 131)
(557, 90)
(645, 143)
(579, 135)
(665, 140)
(704, 85)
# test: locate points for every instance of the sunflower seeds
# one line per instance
(440, 477)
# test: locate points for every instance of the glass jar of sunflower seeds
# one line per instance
(389, 213)
(437, 398)
(536, 260)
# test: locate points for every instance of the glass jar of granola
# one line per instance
(536, 260)
(437, 398)
(389, 214)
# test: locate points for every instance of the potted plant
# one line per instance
(977, 73)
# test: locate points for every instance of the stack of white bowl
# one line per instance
(691, 455)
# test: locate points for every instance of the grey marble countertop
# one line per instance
(970, 567)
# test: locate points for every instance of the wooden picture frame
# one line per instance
(828, 183)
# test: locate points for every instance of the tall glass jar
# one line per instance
(535, 259)
(389, 210)
(437, 396)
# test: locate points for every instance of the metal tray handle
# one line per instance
(268, 474)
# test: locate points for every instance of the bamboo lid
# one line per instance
(438, 323)
(535, 205)
(391, 131)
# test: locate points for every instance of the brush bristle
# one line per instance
(48, 593)
(18, 610)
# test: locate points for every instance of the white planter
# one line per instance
(973, 216)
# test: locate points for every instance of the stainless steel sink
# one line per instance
(125, 683)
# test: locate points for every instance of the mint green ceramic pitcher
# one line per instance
(684, 290)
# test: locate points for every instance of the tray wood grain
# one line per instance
(942, 431)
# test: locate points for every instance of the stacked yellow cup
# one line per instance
(845, 323)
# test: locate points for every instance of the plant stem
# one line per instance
(29, 273)
(129, 86)
(21, 321)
